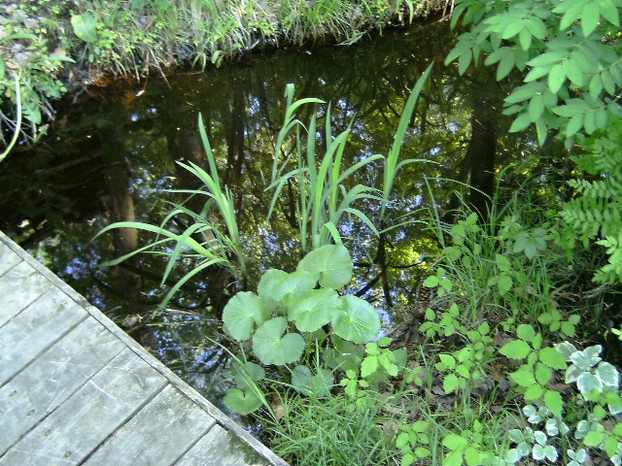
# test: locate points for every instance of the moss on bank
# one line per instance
(50, 46)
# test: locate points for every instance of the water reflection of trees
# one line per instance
(113, 157)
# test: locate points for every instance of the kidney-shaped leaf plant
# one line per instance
(286, 320)
(272, 347)
(357, 320)
(331, 265)
(242, 313)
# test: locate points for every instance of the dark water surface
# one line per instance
(111, 156)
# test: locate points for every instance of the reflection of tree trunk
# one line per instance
(124, 240)
(184, 144)
(478, 166)
(481, 155)
(235, 138)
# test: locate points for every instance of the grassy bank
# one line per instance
(50, 46)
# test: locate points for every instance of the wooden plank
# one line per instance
(19, 287)
(90, 415)
(35, 329)
(8, 259)
(170, 424)
(220, 447)
(44, 385)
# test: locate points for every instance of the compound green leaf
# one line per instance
(589, 18)
(504, 284)
(331, 265)
(552, 358)
(369, 366)
(547, 59)
(511, 29)
(357, 321)
(242, 313)
(472, 456)
(272, 347)
(526, 332)
(574, 125)
(571, 14)
(609, 11)
(573, 73)
(516, 349)
(464, 61)
(557, 78)
(524, 38)
(455, 442)
(536, 107)
(450, 383)
(533, 392)
(505, 66)
(536, 27)
(543, 374)
(596, 86)
(594, 438)
(521, 122)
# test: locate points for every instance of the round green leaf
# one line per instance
(85, 27)
(331, 265)
(313, 309)
(245, 373)
(278, 286)
(242, 313)
(357, 321)
(272, 347)
(242, 402)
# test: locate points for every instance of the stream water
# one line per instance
(111, 156)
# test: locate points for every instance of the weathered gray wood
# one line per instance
(53, 378)
(220, 447)
(170, 424)
(90, 415)
(8, 259)
(35, 329)
(19, 287)
(72, 395)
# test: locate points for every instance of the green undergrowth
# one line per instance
(499, 371)
(501, 367)
(132, 38)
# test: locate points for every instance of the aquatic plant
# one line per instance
(292, 316)
(211, 236)
(324, 197)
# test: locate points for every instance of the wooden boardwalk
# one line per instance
(75, 389)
